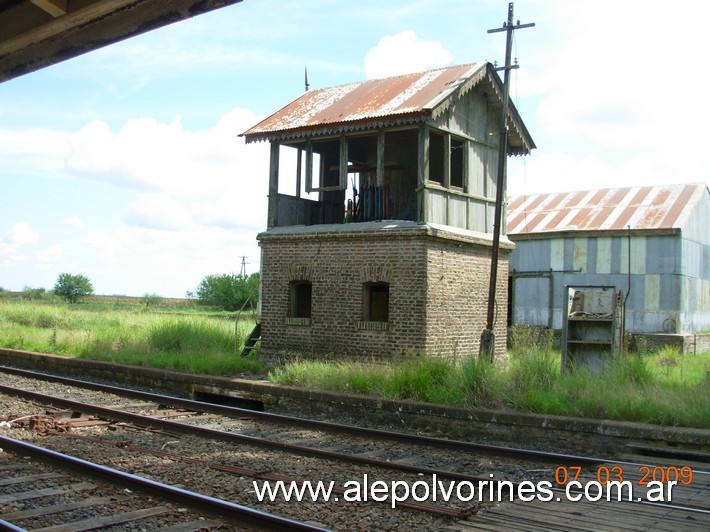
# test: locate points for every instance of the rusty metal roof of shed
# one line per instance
(404, 99)
(608, 209)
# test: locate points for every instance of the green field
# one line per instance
(172, 334)
(655, 387)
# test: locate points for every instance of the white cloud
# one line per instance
(201, 200)
(619, 104)
(152, 156)
(21, 234)
(158, 211)
(18, 236)
(403, 53)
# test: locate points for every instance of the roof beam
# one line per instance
(37, 33)
(56, 8)
(55, 28)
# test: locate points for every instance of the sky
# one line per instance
(125, 164)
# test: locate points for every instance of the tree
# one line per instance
(33, 293)
(73, 287)
(228, 291)
(151, 299)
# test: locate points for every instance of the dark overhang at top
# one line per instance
(388, 102)
(38, 33)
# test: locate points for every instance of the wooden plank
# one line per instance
(76, 19)
(192, 526)
(34, 494)
(56, 8)
(12, 467)
(28, 478)
(111, 520)
(57, 508)
(587, 515)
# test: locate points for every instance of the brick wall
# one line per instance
(438, 284)
(458, 278)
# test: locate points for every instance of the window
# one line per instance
(436, 157)
(300, 299)
(323, 169)
(447, 160)
(377, 302)
(457, 166)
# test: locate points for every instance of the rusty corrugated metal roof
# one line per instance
(396, 100)
(608, 209)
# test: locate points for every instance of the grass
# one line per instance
(664, 388)
(129, 334)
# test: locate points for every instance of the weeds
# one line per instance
(189, 343)
(636, 387)
(664, 387)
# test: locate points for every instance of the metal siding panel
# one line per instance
(669, 293)
(557, 254)
(603, 254)
(591, 266)
(690, 303)
(579, 254)
(615, 264)
(653, 258)
(638, 254)
(652, 291)
(638, 294)
(534, 255)
(568, 254)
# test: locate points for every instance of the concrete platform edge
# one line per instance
(268, 392)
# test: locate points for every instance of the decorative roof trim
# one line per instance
(336, 129)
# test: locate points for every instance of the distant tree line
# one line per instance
(228, 291)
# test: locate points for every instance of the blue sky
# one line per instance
(124, 164)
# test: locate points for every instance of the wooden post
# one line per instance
(487, 346)
(273, 208)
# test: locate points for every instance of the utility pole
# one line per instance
(243, 271)
(487, 347)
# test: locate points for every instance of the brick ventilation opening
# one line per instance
(300, 299)
(377, 302)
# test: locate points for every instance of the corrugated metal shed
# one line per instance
(663, 207)
(404, 99)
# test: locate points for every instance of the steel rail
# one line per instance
(176, 427)
(231, 411)
(224, 509)
(182, 428)
(443, 511)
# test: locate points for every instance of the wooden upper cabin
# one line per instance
(421, 147)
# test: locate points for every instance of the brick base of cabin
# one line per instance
(436, 280)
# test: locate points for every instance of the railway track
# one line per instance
(44, 490)
(376, 450)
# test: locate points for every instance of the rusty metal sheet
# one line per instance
(408, 94)
(641, 208)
